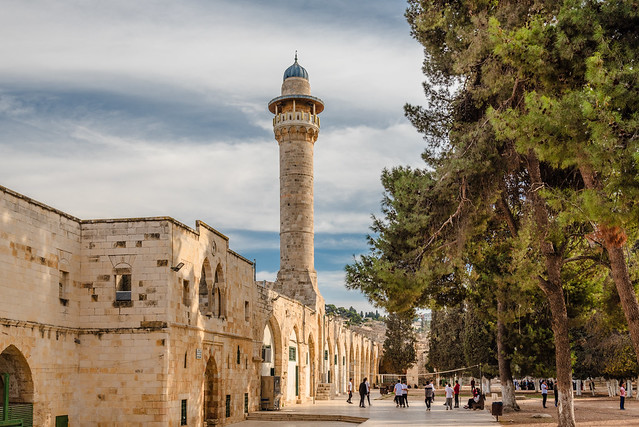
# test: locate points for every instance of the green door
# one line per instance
(62, 421)
(297, 380)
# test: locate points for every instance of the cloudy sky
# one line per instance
(158, 108)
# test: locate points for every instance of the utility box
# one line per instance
(271, 394)
(497, 409)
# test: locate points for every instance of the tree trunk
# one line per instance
(562, 354)
(626, 291)
(613, 240)
(554, 293)
(505, 373)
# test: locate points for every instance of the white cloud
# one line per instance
(156, 107)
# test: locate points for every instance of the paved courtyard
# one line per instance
(382, 412)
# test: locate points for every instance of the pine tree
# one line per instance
(399, 345)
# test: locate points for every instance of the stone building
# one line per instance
(149, 322)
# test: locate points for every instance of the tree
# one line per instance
(399, 345)
(579, 110)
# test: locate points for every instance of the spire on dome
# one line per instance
(295, 70)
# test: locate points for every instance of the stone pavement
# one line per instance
(382, 412)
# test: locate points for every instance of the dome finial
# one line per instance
(295, 70)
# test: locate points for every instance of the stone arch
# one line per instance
(13, 362)
(373, 365)
(278, 345)
(360, 360)
(365, 361)
(212, 392)
(205, 288)
(326, 361)
(351, 362)
(292, 372)
(219, 292)
(268, 352)
(310, 367)
(341, 363)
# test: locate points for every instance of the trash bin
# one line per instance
(497, 409)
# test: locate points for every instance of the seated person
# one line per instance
(473, 400)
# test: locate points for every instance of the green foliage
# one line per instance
(399, 345)
(601, 350)
(509, 83)
(351, 315)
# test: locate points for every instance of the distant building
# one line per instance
(149, 322)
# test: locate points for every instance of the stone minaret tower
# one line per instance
(296, 126)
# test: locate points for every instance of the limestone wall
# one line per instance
(187, 333)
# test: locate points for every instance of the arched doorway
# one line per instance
(21, 391)
(310, 367)
(293, 375)
(211, 392)
(14, 363)
(268, 353)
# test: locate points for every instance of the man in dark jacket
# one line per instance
(363, 390)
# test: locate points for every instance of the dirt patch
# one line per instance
(589, 411)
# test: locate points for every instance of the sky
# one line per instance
(146, 108)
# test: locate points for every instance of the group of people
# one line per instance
(364, 392)
(401, 394)
(451, 392)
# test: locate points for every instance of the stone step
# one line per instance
(323, 391)
(288, 416)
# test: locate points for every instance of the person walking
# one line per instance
(368, 392)
(350, 391)
(456, 390)
(398, 393)
(429, 394)
(362, 393)
(405, 394)
(449, 397)
(622, 396)
(555, 390)
(544, 393)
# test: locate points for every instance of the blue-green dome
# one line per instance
(295, 70)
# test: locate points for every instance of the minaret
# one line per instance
(296, 126)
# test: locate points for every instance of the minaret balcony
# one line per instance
(296, 117)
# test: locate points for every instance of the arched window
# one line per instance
(204, 289)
